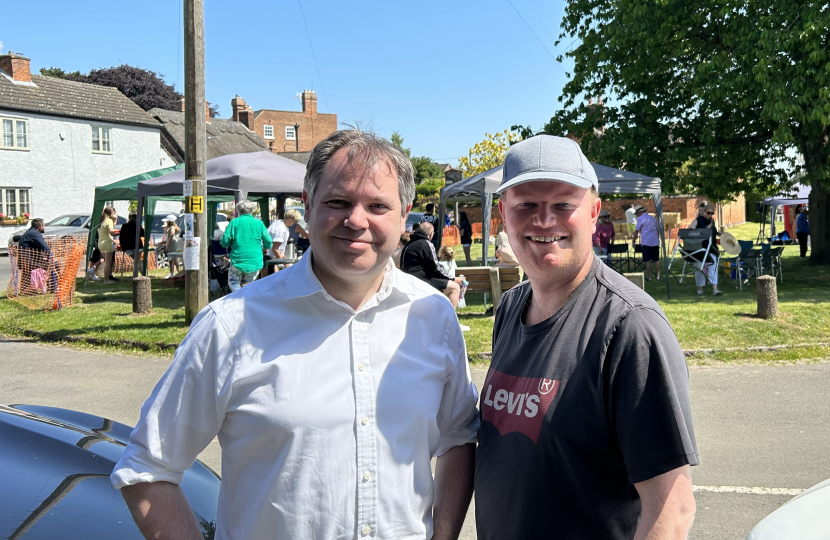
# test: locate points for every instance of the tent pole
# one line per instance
(486, 209)
(442, 209)
(658, 204)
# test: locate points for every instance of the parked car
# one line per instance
(55, 467)
(412, 219)
(804, 517)
(67, 225)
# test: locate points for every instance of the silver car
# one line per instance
(804, 517)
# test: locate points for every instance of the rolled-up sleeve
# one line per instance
(185, 410)
(458, 417)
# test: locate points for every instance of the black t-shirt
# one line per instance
(126, 238)
(467, 234)
(575, 410)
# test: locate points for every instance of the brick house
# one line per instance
(287, 131)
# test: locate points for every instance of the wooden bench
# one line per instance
(490, 280)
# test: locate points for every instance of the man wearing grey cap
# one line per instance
(586, 427)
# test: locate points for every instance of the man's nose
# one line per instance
(545, 217)
(358, 218)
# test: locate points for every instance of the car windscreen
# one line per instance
(413, 218)
(67, 221)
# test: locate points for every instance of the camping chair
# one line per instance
(218, 268)
(617, 257)
(694, 247)
(771, 259)
(748, 263)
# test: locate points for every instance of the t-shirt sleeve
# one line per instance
(458, 417)
(185, 410)
(649, 396)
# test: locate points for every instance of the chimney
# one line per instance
(309, 102)
(242, 112)
(207, 112)
(16, 66)
(182, 100)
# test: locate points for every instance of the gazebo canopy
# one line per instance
(260, 173)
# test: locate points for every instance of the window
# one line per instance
(290, 134)
(268, 132)
(15, 134)
(15, 201)
(101, 143)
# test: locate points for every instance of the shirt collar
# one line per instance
(303, 282)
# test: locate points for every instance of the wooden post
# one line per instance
(196, 282)
(767, 292)
(142, 296)
(495, 285)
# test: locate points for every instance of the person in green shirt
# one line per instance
(246, 237)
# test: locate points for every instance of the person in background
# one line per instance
(802, 229)
(34, 253)
(127, 236)
(246, 236)
(106, 243)
(630, 219)
(280, 232)
(33, 237)
(432, 219)
(647, 229)
(446, 259)
(396, 255)
(172, 244)
(465, 230)
(707, 269)
(504, 253)
(418, 259)
(447, 219)
(604, 233)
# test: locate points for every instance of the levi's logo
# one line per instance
(517, 403)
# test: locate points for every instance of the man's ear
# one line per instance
(306, 204)
(405, 214)
(501, 213)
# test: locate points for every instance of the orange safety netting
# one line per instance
(451, 236)
(44, 280)
(123, 262)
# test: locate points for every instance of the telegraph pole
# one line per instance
(195, 168)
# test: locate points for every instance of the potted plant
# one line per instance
(23, 219)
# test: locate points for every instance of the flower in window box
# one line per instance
(2, 215)
(26, 214)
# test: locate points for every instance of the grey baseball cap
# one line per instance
(545, 157)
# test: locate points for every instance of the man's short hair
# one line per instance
(293, 215)
(37, 223)
(427, 228)
(366, 149)
(429, 208)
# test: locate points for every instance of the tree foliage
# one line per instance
(145, 88)
(488, 153)
(713, 96)
(426, 169)
(397, 140)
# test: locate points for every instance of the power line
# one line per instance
(537, 37)
(322, 88)
(179, 49)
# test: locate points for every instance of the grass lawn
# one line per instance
(700, 322)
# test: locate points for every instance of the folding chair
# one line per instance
(771, 259)
(617, 257)
(694, 248)
(748, 265)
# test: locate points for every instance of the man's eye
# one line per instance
(337, 202)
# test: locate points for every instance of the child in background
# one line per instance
(446, 259)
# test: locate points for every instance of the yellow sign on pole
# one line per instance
(194, 204)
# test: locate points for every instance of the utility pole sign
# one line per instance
(195, 184)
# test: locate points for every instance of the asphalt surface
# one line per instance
(757, 426)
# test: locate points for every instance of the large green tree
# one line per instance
(713, 96)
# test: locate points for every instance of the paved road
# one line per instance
(757, 427)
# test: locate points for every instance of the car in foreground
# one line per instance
(55, 466)
(804, 517)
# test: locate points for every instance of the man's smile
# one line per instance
(546, 239)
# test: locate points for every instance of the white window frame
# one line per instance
(267, 131)
(19, 211)
(15, 126)
(290, 133)
(100, 132)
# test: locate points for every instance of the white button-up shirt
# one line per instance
(327, 417)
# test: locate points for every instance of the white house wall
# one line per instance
(61, 170)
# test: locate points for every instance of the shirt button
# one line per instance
(364, 420)
(366, 530)
(367, 476)
(361, 367)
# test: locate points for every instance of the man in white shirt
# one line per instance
(327, 384)
(648, 230)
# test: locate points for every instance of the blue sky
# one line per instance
(441, 73)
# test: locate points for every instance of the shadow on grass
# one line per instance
(104, 329)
